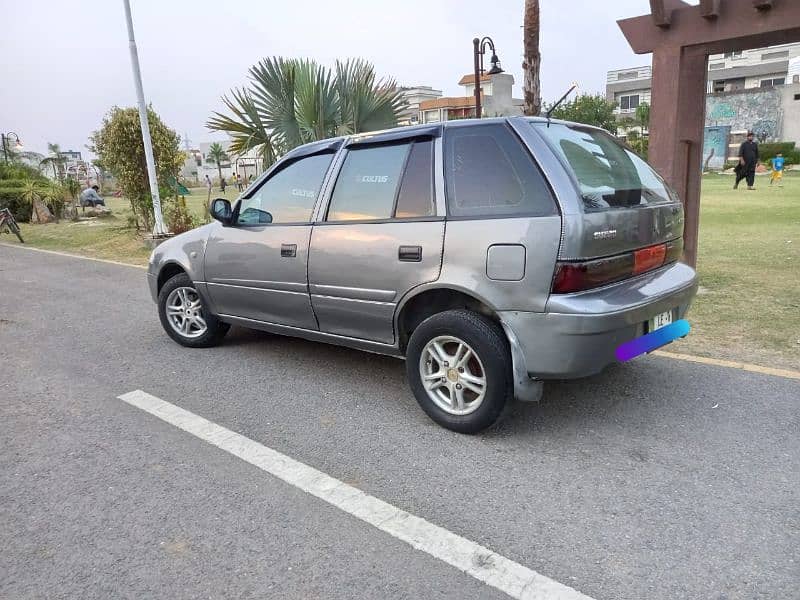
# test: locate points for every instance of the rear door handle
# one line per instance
(288, 250)
(410, 253)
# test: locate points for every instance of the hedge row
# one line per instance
(769, 150)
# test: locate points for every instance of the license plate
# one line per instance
(660, 321)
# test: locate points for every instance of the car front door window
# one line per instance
(288, 196)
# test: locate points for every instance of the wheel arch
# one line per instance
(423, 303)
(167, 271)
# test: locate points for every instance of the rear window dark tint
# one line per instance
(609, 175)
(488, 173)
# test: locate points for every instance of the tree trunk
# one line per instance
(532, 59)
(40, 213)
(219, 168)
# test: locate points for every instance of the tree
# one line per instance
(532, 59)
(216, 154)
(118, 144)
(290, 102)
(73, 188)
(55, 160)
(643, 116)
(589, 109)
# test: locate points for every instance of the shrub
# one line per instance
(12, 198)
(177, 217)
(768, 151)
(18, 172)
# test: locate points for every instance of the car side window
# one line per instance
(289, 195)
(488, 173)
(385, 182)
(367, 184)
(415, 198)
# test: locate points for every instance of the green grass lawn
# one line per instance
(748, 308)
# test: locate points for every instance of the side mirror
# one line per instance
(221, 210)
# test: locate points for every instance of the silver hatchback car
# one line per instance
(492, 254)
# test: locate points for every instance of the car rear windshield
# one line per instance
(609, 174)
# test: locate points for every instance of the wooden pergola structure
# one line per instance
(681, 37)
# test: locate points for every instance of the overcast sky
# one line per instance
(64, 64)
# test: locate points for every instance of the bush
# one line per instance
(18, 172)
(768, 151)
(12, 198)
(177, 217)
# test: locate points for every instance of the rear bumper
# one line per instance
(578, 333)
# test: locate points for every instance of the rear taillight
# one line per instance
(587, 274)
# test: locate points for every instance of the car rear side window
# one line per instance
(488, 173)
(384, 182)
(416, 190)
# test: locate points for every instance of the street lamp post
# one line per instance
(478, 50)
(159, 229)
(4, 137)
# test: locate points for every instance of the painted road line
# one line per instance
(473, 559)
(68, 255)
(717, 362)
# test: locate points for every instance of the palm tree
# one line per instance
(73, 188)
(532, 60)
(293, 101)
(32, 193)
(216, 154)
(55, 160)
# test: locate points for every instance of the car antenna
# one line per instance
(557, 104)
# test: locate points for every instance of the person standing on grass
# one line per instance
(777, 169)
(222, 184)
(748, 159)
(208, 189)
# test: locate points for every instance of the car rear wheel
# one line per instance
(459, 368)
(184, 317)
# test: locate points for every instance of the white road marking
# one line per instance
(473, 559)
(68, 255)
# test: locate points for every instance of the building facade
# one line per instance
(496, 99)
(752, 90)
(414, 95)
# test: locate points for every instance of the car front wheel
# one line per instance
(184, 317)
(459, 368)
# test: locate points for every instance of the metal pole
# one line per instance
(476, 52)
(159, 228)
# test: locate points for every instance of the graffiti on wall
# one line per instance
(765, 129)
(758, 110)
(715, 147)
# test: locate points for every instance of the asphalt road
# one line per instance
(658, 479)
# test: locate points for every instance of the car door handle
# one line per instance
(288, 250)
(410, 253)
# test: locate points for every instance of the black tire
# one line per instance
(487, 340)
(15, 230)
(215, 329)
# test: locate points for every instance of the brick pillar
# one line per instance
(677, 118)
